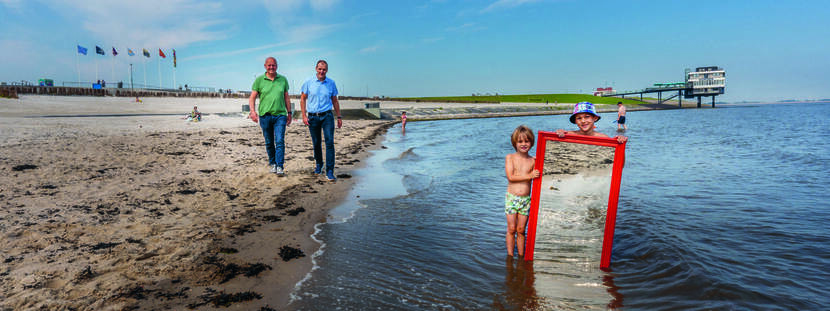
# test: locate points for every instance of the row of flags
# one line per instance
(100, 51)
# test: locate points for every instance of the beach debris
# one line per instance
(295, 212)
(287, 253)
(85, 274)
(221, 299)
(231, 196)
(271, 218)
(20, 168)
(31, 281)
(227, 271)
(344, 175)
(227, 250)
(206, 171)
(223, 132)
(267, 308)
(104, 245)
(187, 191)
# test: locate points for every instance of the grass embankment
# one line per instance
(527, 98)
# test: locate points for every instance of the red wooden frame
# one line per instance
(613, 197)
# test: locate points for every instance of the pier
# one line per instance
(703, 82)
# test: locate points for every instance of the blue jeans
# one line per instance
(326, 124)
(273, 128)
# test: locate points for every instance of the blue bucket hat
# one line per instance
(584, 107)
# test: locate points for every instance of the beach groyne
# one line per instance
(120, 92)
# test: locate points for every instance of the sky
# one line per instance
(771, 50)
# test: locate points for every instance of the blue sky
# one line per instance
(771, 50)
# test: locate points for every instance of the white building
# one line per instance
(705, 81)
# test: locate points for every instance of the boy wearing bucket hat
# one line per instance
(584, 116)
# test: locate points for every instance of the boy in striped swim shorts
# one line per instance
(518, 167)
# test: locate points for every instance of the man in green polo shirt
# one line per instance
(273, 113)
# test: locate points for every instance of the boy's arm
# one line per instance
(508, 171)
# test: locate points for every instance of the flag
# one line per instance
(174, 58)
(162, 54)
(130, 52)
(114, 52)
(99, 50)
(81, 50)
(146, 53)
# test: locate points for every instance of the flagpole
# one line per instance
(160, 85)
(174, 77)
(96, 66)
(78, 66)
(112, 69)
(145, 73)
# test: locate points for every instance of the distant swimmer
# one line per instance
(519, 170)
(621, 116)
(584, 116)
(403, 121)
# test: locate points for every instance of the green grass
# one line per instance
(529, 98)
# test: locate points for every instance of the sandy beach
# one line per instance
(150, 211)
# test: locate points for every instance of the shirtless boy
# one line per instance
(518, 167)
(621, 116)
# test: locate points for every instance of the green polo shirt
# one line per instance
(271, 94)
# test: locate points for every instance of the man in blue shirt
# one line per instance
(273, 113)
(318, 99)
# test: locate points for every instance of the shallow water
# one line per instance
(719, 209)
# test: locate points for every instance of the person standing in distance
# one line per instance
(621, 117)
(273, 113)
(320, 107)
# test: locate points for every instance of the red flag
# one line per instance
(162, 54)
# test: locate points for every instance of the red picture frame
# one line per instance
(613, 197)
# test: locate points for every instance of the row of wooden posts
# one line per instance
(12, 91)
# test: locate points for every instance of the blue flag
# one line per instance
(114, 52)
(81, 50)
(99, 50)
(130, 51)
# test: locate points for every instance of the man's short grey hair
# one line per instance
(322, 61)
(271, 57)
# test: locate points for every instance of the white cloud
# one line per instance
(234, 52)
(160, 23)
(500, 4)
(370, 49)
(290, 18)
(466, 27)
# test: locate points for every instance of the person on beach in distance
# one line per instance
(403, 121)
(195, 115)
(621, 116)
(273, 114)
(584, 116)
(518, 167)
(318, 99)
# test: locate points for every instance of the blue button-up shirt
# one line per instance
(319, 94)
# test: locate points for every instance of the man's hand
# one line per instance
(339, 123)
(254, 117)
(288, 119)
(305, 119)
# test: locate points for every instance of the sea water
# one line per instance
(723, 208)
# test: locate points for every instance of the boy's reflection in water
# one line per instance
(520, 293)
